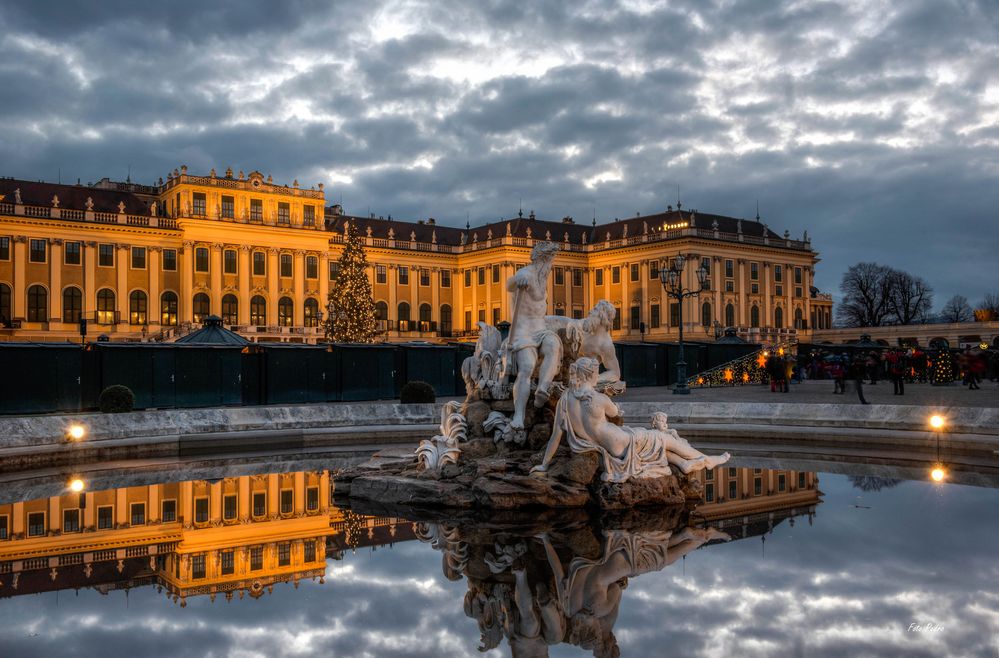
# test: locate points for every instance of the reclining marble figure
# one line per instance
(584, 417)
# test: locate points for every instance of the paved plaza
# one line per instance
(820, 392)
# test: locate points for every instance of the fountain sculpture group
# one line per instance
(538, 426)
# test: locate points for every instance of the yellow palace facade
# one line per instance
(146, 263)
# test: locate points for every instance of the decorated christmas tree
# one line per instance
(351, 317)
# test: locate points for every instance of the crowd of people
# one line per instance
(901, 366)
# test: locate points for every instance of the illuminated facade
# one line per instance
(151, 262)
(231, 537)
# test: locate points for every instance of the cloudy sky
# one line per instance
(872, 125)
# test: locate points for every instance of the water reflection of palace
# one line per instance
(747, 502)
(231, 536)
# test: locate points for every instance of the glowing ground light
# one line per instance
(936, 421)
(76, 485)
(76, 432)
(938, 474)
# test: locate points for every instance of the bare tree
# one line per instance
(990, 306)
(956, 309)
(910, 298)
(865, 296)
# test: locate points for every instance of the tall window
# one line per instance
(445, 320)
(797, 276)
(284, 213)
(229, 507)
(496, 273)
(71, 520)
(138, 258)
(403, 275)
(201, 510)
(381, 311)
(259, 503)
(311, 312)
(403, 316)
(229, 261)
(334, 267)
(168, 309)
(617, 318)
(674, 314)
(706, 314)
(258, 311)
(655, 318)
(636, 317)
(559, 276)
(36, 251)
(729, 315)
(778, 273)
(256, 210)
(169, 511)
(5, 310)
(426, 316)
(616, 274)
(259, 263)
(424, 277)
(577, 277)
(105, 517)
(381, 274)
(36, 524)
(105, 255)
(38, 302)
(4, 248)
(287, 501)
(198, 566)
(230, 309)
(105, 306)
(138, 514)
(779, 317)
(311, 267)
(468, 278)
(72, 253)
(198, 204)
(170, 260)
(72, 304)
(201, 259)
(445, 278)
(284, 554)
(706, 264)
(227, 563)
(754, 316)
(286, 265)
(634, 271)
(228, 207)
(256, 558)
(309, 215)
(754, 271)
(137, 308)
(202, 307)
(481, 276)
(286, 311)
(729, 268)
(598, 276)
(799, 322)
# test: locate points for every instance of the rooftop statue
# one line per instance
(584, 416)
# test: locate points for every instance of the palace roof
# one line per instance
(34, 193)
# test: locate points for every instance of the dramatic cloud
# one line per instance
(871, 125)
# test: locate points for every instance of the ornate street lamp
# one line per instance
(672, 280)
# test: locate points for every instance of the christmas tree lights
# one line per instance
(351, 316)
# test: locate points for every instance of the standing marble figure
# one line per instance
(530, 339)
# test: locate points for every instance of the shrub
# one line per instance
(116, 399)
(417, 392)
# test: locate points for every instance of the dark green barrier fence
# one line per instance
(296, 374)
(366, 372)
(639, 363)
(37, 378)
(433, 364)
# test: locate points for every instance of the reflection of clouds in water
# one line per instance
(850, 584)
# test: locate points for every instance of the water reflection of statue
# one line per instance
(530, 340)
(584, 416)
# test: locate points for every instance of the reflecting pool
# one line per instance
(259, 559)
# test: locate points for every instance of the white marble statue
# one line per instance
(481, 371)
(433, 454)
(590, 336)
(530, 339)
(584, 417)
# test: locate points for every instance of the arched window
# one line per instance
(779, 317)
(754, 316)
(311, 312)
(258, 311)
(137, 308)
(105, 306)
(425, 317)
(706, 314)
(5, 311)
(445, 320)
(38, 302)
(168, 309)
(286, 311)
(72, 304)
(202, 307)
(799, 322)
(729, 315)
(230, 309)
(403, 316)
(381, 311)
